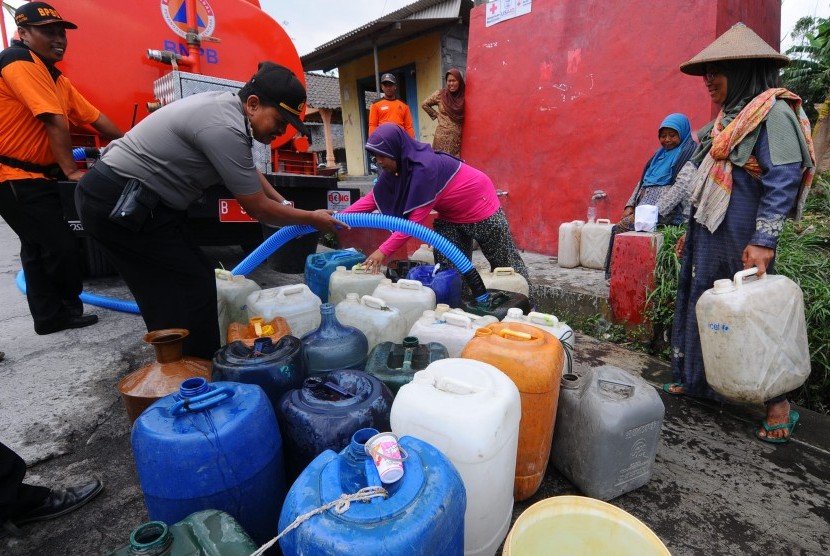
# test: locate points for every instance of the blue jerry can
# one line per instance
(212, 446)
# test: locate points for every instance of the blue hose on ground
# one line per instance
(358, 220)
(92, 299)
(380, 222)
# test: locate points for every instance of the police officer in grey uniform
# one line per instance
(134, 200)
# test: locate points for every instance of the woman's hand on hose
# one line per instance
(374, 261)
(757, 256)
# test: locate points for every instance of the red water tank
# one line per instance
(106, 57)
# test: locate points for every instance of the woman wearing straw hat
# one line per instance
(755, 165)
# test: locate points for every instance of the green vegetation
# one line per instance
(809, 73)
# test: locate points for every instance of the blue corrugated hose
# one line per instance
(278, 239)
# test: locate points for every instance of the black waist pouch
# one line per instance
(136, 203)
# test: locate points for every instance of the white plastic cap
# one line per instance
(514, 312)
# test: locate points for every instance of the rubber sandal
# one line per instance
(667, 388)
(789, 425)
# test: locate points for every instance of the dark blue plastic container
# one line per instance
(277, 368)
(333, 345)
(396, 270)
(212, 446)
(423, 513)
(497, 304)
(319, 266)
(326, 412)
(445, 283)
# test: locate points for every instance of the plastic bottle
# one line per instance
(507, 279)
(423, 254)
(295, 303)
(396, 363)
(232, 299)
(333, 346)
(357, 280)
(410, 297)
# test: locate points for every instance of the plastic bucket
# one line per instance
(577, 526)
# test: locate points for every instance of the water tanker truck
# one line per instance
(130, 58)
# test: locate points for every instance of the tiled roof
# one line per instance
(323, 91)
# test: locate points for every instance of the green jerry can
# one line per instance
(206, 533)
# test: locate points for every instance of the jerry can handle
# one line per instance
(360, 268)
(603, 221)
(543, 318)
(202, 401)
(291, 290)
(455, 386)
(222, 274)
(410, 284)
(740, 275)
(505, 332)
(374, 302)
(629, 387)
(455, 319)
(507, 270)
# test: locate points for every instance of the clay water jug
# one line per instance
(422, 513)
(333, 346)
(372, 316)
(396, 363)
(569, 236)
(232, 293)
(206, 533)
(593, 243)
(608, 425)
(470, 411)
(357, 280)
(257, 327)
(142, 387)
(753, 336)
(533, 359)
(326, 411)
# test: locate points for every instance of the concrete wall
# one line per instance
(567, 99)
(424, 52)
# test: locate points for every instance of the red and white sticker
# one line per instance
(338, 200)
(231, 211)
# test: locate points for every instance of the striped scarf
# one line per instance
(712, 184)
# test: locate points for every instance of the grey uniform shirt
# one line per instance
(186, 147)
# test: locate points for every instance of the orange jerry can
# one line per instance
(533, 359)
(256, 327)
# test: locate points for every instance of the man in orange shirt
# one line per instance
(37, 104)
(390, 110)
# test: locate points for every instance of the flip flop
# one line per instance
(789, 425)
(667, 388)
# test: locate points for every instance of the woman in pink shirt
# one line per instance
(416, 180)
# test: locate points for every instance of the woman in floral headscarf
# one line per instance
(450, 113)
(755, 165)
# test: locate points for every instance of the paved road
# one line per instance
(715, 489)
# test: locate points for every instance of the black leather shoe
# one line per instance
(60, 502)
(65, 323)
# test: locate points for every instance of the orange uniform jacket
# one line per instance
(390, 112)
(29, 88)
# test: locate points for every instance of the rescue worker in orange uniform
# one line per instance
(37, 104)
(390, 110)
